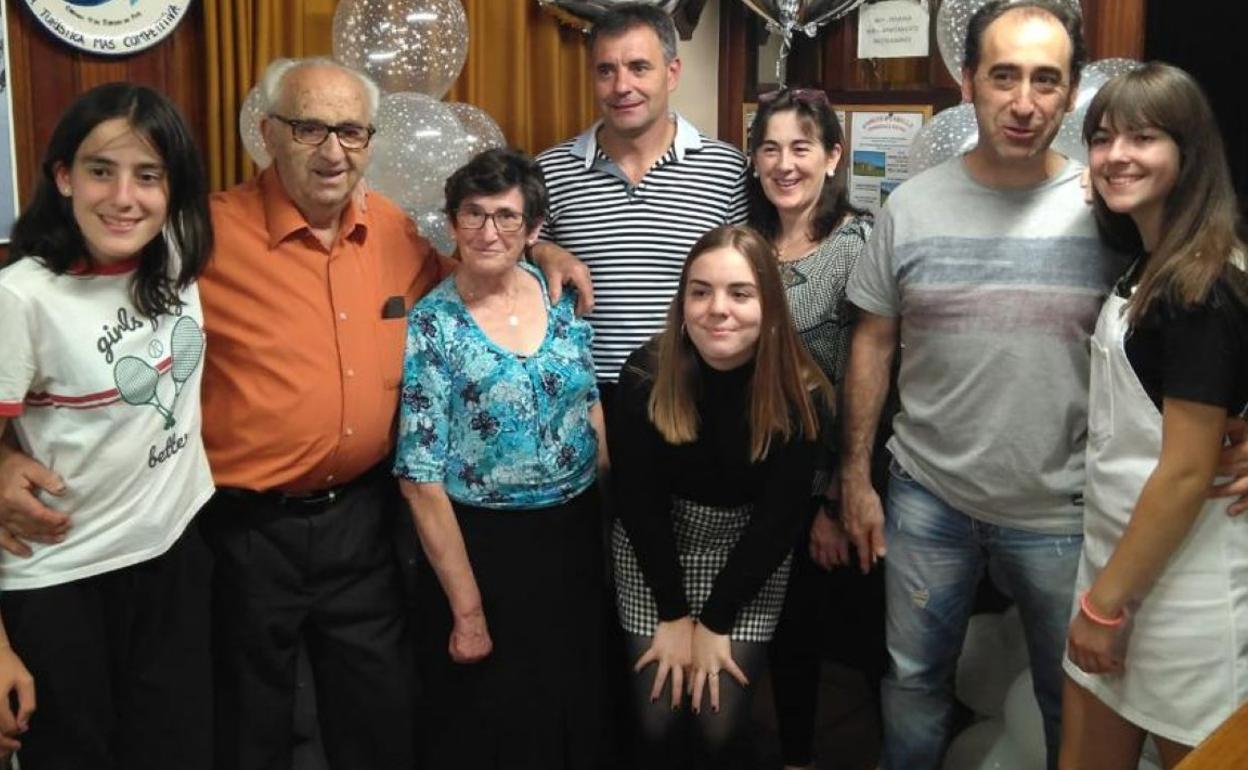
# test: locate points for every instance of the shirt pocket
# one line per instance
(391, 344)
(1100, 397)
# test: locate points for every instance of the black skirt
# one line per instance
(537, 701)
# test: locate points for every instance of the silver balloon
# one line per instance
(783, 17)
(1069, 139)
(249, 117)
(1112, 67)
(419, 143)
(950, 133)
(405, 45)
(433, 226)
(480, 131)
(952, 20)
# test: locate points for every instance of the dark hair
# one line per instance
(1068, 17)
(496, 171)
(1199, 217)
(819, 121)
(47, 230)
(628, 16)
(786, 382)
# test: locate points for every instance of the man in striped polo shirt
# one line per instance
(631, 195)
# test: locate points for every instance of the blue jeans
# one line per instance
(936, 557)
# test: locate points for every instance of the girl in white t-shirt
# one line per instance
(100, 364)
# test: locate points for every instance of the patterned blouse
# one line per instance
(497, 429)
(815, 286)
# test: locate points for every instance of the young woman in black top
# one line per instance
(713, 438)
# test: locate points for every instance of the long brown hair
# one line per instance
(1198, 243)
(785, 380)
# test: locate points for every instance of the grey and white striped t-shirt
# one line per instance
(997, 292)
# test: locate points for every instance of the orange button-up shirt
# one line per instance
(305, 344)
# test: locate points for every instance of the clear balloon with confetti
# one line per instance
(405, 45)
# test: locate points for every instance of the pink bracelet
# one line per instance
(1100, 620)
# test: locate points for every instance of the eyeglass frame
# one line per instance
(491, 217)
(295, 123)
(806, 96)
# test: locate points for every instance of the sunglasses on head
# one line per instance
(800, 95)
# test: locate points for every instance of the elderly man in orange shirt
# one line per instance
(305, 311)
(305, 306)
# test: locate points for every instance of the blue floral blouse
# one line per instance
(498, 430)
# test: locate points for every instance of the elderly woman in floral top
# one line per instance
(500, 443)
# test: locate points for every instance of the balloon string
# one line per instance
(782, 59)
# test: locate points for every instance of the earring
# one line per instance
(831, 172)
(755, 173)
(684, 332)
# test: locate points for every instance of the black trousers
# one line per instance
(122, 665)
(325, 574)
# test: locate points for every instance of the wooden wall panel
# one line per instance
(46, 75)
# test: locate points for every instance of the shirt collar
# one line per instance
(687, 139)
(284, 220)
(128, 265)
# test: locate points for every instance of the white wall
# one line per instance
(697, 95)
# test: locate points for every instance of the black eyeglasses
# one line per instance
(800, 95)
(505, 220)
(352, 136)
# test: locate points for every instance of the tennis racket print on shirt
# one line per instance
(137, 383)
(187, 345)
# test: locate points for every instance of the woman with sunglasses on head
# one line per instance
(800, 204)
(713, 439)
(100, 382)
(1159, 639)
(500, 443)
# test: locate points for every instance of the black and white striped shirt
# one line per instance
(634, 239)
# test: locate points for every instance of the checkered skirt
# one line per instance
(705, 536)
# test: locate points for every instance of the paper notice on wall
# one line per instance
(892, 29)
(880, 154)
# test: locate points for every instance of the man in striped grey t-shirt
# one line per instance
(631, 195)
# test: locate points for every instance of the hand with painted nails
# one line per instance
(670, 652)
(712, 657)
